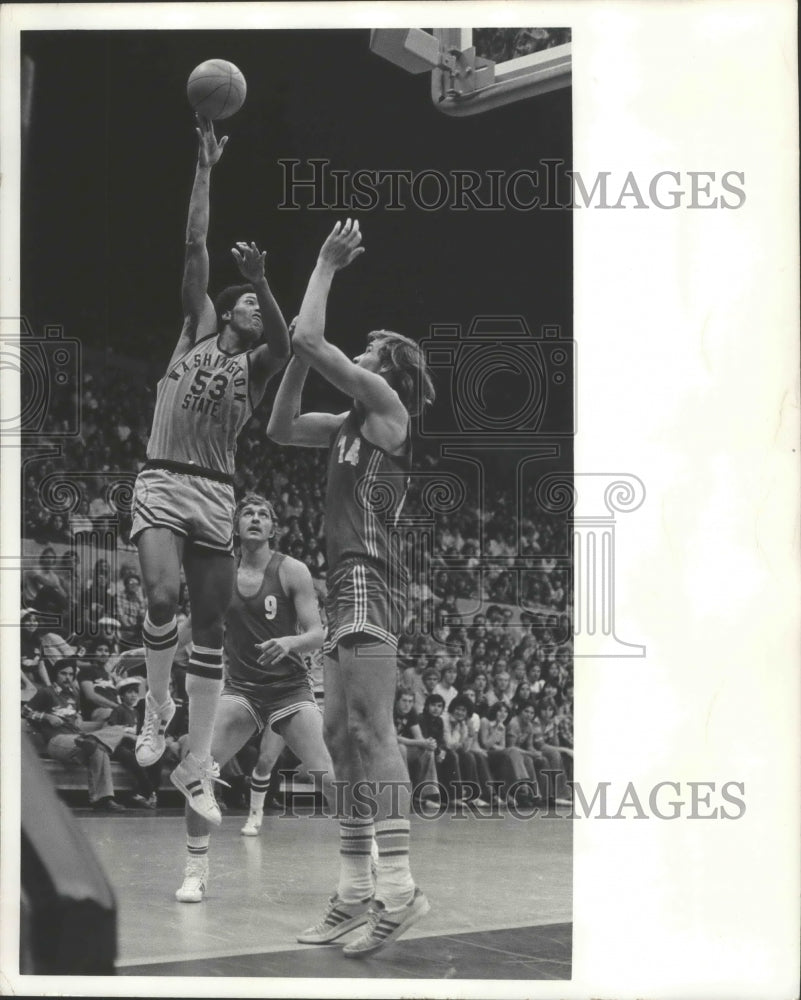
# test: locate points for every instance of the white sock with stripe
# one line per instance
(355, 872)
(160, 643)
(204, 679)
(258, 792)
(197, 847)
(394, 883)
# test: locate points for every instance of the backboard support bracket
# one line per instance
(463, 83)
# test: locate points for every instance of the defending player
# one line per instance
(370, 454)
(184, 498)
(272, 621)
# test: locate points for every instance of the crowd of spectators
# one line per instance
(497, 699)
(519, 660)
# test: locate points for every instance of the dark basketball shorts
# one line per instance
(199, 509)
(364, 599)
(268, 704)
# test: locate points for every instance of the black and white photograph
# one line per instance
(393, 498)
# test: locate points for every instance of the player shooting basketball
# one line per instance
(370, 448)
(184, 497)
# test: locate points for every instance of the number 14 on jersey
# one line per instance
(352, 454)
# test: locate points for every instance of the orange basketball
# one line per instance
(216, 89)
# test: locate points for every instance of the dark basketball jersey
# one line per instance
(202, 404)
(269, 614)
(364, 497)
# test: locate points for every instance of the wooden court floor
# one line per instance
(500, 892)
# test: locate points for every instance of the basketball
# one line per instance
(216, 89)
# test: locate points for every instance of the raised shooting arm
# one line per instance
(198, 309)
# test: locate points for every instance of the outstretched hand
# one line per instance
(273, 650)
(250, 261)
(342, 245)
(209, 149)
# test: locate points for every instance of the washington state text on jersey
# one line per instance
(202, 404)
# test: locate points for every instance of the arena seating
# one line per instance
(104, 460)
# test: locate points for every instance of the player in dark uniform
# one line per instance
(272, 621)
(369, 462)
(184, 498)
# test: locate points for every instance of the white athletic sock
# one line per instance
(355, 873)
(160, 641)
(204, 679)
(258, 792)
(394, 883)
(197, 847)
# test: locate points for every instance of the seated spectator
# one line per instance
(481, 688)
(560, 761)
(555, 677)
(522, 697)
(446, 763)
(410, 678)
(535, 679)
(416, 749)
(98, 694)
(555, 729)
(479, 649)
(463, 671)
(473, 718)
(549, 695)
(446, 686)
(131, 610)
(564, 720)
(517, 671)
(314, 557)
(447, 609)
(98, 594)
(54, 648)
(500, 689)
(460, 738)
(32, 656)
(109, 632)
(42, 588)
(53, 714)
(406, 653)
(147, 780)
(525, 732)
(430, 679)
(509, 765)
(100, 508)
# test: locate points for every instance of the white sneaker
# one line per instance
(196, 880)
(339, 918)
(385, 925)
(150, 743)
(253, 824)
(195, 779)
